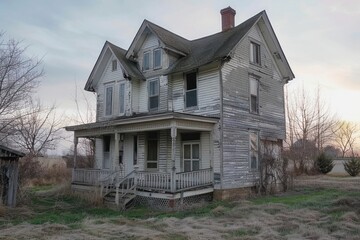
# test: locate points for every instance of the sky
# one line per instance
(320, 38)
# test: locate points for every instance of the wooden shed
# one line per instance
(9, 172)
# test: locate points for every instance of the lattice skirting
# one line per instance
(163, 204)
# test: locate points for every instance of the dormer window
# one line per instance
(114, 65)
(255, 56)
(157, 58)
(146, 61)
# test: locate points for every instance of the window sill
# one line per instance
(256, 64)
(157, 68)
(191, 108)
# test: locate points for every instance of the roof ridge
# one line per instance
(145, 20)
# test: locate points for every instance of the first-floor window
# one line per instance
(152, 150)
(254, 150)
(122, 98)
(108, 101)
(154, 94)
(191, 156)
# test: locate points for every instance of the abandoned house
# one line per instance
(9, 173)
(179, 120)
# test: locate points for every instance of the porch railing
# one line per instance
(166, 182)
(90, 176)
(187, 180)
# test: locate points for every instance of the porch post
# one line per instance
(116, 152)
(173, 152)
(75, 151)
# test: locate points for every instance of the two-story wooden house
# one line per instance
(179, 118)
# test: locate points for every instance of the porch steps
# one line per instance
(125, 201)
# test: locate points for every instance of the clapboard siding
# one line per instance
(207, 90)
(237, 119)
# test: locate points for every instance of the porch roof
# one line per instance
(145, 123)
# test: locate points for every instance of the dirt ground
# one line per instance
(244, 221)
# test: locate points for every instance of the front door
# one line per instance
(191, 156)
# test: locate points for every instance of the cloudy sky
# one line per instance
(320, 38)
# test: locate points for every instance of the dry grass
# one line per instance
(312, 213)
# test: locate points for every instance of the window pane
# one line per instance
(154, 88)
(195, 151)
(154, 102)
(191, 98)
(187, 151)
(157, 58)
(253, 162)
(253, 142)
(114, 65)
(195, 165)
(146, 61)
(152, 150)
(191, 81)
(254, 104)
(122, 97)
(151, 165)
(108, 110)
(187, 166)
(254, 86)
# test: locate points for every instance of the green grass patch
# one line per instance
(41, 188)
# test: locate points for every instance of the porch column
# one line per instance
(173, 155)
(75, 151)
(116, 152)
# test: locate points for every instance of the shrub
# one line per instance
(352, 167)
(324, 163)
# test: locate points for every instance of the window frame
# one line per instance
(191, 159)
(106, 100)
(147, 52)
(122, 101)
(255, 53)
(151, 96)
(154, 55)
(257, 79)
(256, 151)
(114, 65)
(157, 139)
(187, 91)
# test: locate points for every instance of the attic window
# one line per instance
(146, 61)
(114, 65)
(255, 56)
(157, 58)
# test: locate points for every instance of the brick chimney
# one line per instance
(227, 18)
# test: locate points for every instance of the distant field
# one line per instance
(318, 208)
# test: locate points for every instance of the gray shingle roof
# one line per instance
(214, 47)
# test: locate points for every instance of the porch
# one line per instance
(145, 181)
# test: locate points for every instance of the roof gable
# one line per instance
(168, 40)
(128, 67)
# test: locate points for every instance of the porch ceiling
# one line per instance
(145, 123)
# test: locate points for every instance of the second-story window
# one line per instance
(146, 61)
(153, 94)
(254, 95)
(157, 58)
(108, 100)
(114, 65)
(255, 56)
(122, 98)
(191, 90)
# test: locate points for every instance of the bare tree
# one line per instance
(19, 76)
(37, 128)
(345, 136)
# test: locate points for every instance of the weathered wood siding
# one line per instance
(237, 119)
(208, 93)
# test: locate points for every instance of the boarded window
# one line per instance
(254, 92)
(122, 98)
(254, 150)
(153, 94)
(108, 101)
(191, 90)
(152, 150)
(157, 58)
(255, 53)
(146, 61)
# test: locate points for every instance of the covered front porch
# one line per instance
(162, 153)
